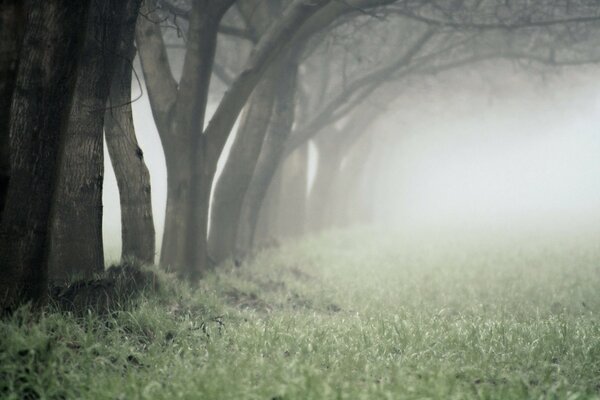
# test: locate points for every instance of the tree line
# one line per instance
(289, 72)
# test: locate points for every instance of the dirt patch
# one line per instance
(271, 285)
(247, 301)
(300, 275)
(120, 285)
(297, 301)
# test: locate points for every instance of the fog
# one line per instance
(496, 149)
(484, 149)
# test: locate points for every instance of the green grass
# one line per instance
(347, 315)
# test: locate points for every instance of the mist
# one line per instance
(494, 149)
(508, 152)
(300, 199)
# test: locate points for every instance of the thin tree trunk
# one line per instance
(330, 158)
(76, 249)
(55, 30)
(269, 159)
(293, 201)
(133, 178)
(347, 189)
(267, 224)
(237, 173)
(11, 25)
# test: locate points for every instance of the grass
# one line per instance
(346, 315)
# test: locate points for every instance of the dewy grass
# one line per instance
(345, 316)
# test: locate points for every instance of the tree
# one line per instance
(435, 49)
(235, 180)
(40, 110)
(76, 241)
(191, 152)
(127, 158)
(270, 156)
(11, 26)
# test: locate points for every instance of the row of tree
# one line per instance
(289, 71)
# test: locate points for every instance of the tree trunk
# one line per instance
(179, 112)
(76, 249)
(347, 190)
(293, 199)
(133, 178)
(44, 89)
(189, 114)
(11, 24)
(330, 158)
(237, 173)
(178, 108)
(269, 159)
(267, 224)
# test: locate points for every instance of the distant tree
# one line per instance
(234, 182)
(270, 155)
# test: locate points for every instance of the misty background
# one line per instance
(492, 147)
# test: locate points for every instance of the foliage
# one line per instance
(342, 315)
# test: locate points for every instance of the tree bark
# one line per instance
(127, 158)
(55, 30)
(76, 249)
(11, 25)
(269, 159)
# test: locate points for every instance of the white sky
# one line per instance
(521, 154)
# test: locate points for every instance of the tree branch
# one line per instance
(162, 87)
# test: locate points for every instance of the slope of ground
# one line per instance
(346, 315)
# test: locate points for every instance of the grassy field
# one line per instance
(347, 315)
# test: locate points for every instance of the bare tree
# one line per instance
(127, 158)
(191, 152)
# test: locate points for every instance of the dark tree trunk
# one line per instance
(11, 25)
(42, 98)
(269, 159)
(234, 180)
(133, 178)
(76, 249)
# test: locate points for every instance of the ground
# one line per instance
(361, 314)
